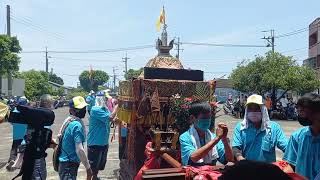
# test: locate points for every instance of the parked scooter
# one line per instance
(228, 107)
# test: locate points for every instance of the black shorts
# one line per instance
(97, 156)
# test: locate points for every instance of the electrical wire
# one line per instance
(95, 51)
(293, 50)
(222, 45)
(35, 28)
(29, 22)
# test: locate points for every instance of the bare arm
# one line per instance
(114, 112)
(228, 151)
(203, 151)
(82, 155)
(238, 154)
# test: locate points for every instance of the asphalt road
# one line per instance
(112, 167)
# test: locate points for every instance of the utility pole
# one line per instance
(178, 48)
(270, 39)
(9, 34)
(8, 21)
(114, 78)
(47, 61)
(125, 60)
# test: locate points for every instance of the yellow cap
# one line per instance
(254, 99)
(79, 102)
(106, 92)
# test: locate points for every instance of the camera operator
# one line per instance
(37, 139)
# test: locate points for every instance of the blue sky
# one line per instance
(109, 24)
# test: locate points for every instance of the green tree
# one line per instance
(76, 92)
(56, 79)
(273, 72)
(36, 84)
(9, 48)
(9, 60)
(132, 73)
(97, 78)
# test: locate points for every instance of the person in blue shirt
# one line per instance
(18, 132)
(91, 101)
(256, 137)
(303, 150)
(123, 144)
(98, 135)
(72, 134)
(199, 146)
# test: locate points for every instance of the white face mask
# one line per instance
(254, 116)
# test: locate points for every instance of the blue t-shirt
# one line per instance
(73, 134)
(187, 149)
(99, 126)
(124, 132)
(18, 130)
(91, 100)
(303, 152)
(259, 145)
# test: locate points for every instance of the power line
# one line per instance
(36, 28)
(80, 59)
(29, 22)
(293, 50)
(295, 32)
(222, 45)
(95, 51)
(292, 33)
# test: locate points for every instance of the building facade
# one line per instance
(313, 60)
(18, 86)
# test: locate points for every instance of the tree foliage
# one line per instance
(76, 92)
(9, 60)
(56, 79)
(97, 78)
(36, 84)
(132, 73)
(273, 72)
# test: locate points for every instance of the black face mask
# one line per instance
(81, 113)
(304, 121)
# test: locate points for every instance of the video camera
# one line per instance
(36, 118)
(38, 138)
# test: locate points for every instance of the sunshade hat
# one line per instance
(254, 99)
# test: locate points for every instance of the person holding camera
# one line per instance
(73, 135)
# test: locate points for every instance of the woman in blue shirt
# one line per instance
(256, 137)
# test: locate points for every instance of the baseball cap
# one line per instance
(77, 102)
(100, 93)
(254, 99)
(107, 91)
(22, 101)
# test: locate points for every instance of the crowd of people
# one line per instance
(71, 137)
(284, 108)
(256, 138)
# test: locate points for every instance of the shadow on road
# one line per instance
(2, 164)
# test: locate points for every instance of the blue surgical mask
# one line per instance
(203, 124)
